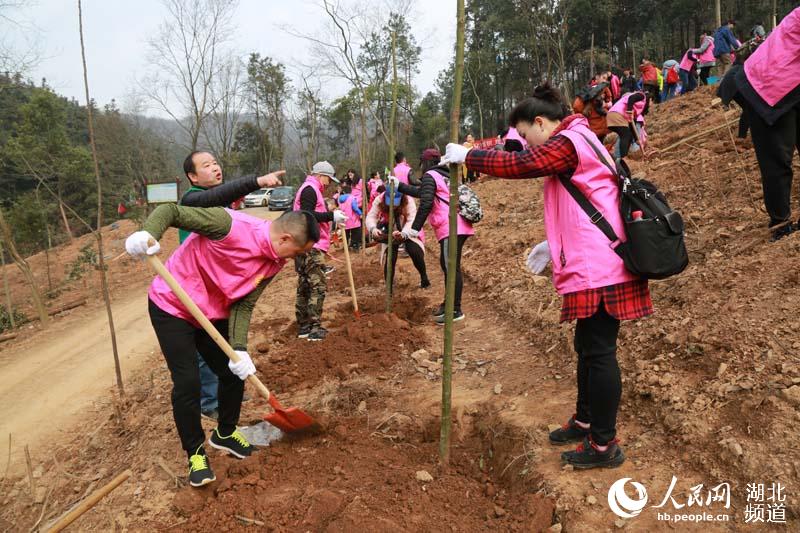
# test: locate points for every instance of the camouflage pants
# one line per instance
(311, 285)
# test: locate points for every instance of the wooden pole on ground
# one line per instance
(452, 247)
(89, 502)
(350, 273)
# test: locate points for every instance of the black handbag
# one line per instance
(655, 247)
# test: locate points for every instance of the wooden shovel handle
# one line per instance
(350, 272)
(198, 315)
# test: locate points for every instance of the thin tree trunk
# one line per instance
(9, 308)
(49, 241)
(99, 232)
(25, 268)
(718, 13)
(391, 191)
(591, 59)
(452, 247)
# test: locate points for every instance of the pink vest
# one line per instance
(514, 134)
(621, 106)
(708, 55)
(581, 253)
(439, 218)
(615, 86)
(686, 63)
(324, 241)
(216, 274)
(346, 205)
(773, 68)
(401, 172)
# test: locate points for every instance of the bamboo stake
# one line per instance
(696, 135)
(89, 502)
(30, 470)
(449, 301)
(389, 250)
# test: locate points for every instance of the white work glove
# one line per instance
(393, 182)
(377, 233)
(539, 258)
(454, 154)
(138, 244)
(339, 217)
(244, 367)
(409, 234)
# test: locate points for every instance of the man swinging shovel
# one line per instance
(238, 255)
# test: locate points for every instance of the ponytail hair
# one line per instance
(546, 101)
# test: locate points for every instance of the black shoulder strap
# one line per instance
(595, 216)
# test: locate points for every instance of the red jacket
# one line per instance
(649, 73)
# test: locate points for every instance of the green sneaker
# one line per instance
(200, 472)
(235, 443)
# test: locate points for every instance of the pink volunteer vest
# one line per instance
(401, 172)
(773, 67)
(346, 205)
(439, 218)
(216, 274)
(708, 55)
(622, 106)
(324, 241)
(581, 253)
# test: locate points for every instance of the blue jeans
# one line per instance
(208, 387)
(688, 81)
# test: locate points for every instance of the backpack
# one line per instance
(672, 76)
(469, 205)
(655, 247)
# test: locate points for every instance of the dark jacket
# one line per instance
(724, 41)
(223, 195)
(426, 192)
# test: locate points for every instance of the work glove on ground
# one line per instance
(454, 154)
(539, 258)
(244, 367)
(138, 244)
(339, 217)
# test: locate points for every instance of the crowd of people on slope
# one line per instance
(230, 257)
(600, 100)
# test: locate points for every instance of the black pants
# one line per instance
(625, 138)
(443, 251)
(652, 92)
(354, 237)
(599, 382)
(180, 342)
(417, 256)
(775, 146)
(704, 73)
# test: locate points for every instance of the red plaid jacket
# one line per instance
(624, 301)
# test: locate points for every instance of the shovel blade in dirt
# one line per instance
(287, 420)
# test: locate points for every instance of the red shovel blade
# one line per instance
(287, 420)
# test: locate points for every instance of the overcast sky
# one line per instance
(116, 33)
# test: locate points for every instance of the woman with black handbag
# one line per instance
(598, 290)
